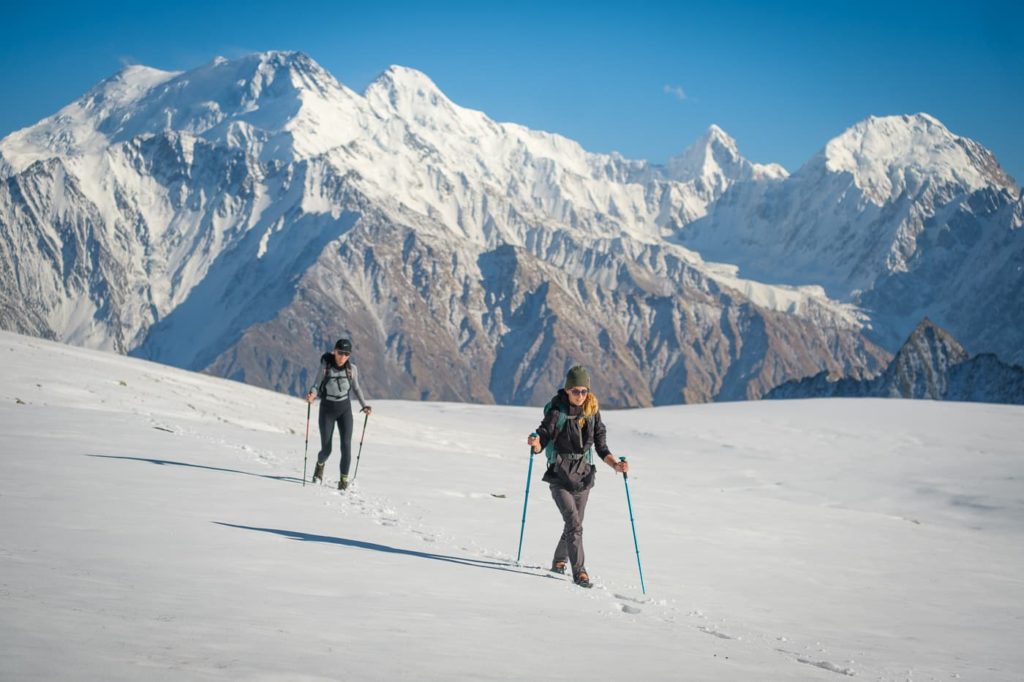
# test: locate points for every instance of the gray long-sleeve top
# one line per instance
(335, 381)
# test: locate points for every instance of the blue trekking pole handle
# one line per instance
(632, 524)
(526, 498)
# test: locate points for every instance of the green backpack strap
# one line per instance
(549, 449)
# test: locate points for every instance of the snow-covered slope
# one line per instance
(241, 216)
(153, 525)
(897, 214)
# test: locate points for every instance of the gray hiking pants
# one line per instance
(570, 545)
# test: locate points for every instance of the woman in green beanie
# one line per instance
(570, 432)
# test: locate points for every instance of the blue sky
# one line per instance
(642, 78)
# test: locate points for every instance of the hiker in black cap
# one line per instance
(572, 429)
(336, 380)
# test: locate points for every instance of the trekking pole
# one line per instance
(366, 417)
(526, 498)
(305, 457)
(625, 479)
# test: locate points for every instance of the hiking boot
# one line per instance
(318, 473)
(558, 566)
(343, 483)
(582, 579)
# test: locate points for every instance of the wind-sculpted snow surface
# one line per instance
(153, 524)
(239, 217)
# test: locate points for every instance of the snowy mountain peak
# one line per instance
(406, 78)
(715, 160)
(213, 86)
(138, 74)
(280, 105)
(406, 92)
(75, 128)
(715, 136)
(258, 76)
(303, 71)
(888, 139)
(888, 155)
(271, 59)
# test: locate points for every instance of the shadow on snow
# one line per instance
(162, 462)
(359, 544)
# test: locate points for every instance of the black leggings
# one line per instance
(340, 412)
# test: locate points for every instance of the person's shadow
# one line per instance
(168, 462)
(359, 544)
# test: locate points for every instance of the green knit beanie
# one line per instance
(577, 376)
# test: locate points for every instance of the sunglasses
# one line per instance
(579, 391)
(342, 352)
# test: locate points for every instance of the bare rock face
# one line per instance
(503, 325)
(921, 367)
(930, 365)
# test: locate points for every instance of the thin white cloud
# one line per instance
(676, 91)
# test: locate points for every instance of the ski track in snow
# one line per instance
(608, 600)
(383, 512)
(825, 665)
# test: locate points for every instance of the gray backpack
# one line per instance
(328, 359)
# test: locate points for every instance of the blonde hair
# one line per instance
(590, 408)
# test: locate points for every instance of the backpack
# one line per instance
(328, 359)
(549, 449)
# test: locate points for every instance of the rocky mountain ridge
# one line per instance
(897, 215)
(930, 365)
(239, 217)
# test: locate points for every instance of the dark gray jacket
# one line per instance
(573, 440)
(334, 383)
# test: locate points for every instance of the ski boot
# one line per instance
(343, 483)
(318, 473)
(558, 566)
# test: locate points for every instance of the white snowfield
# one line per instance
(153, 526)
